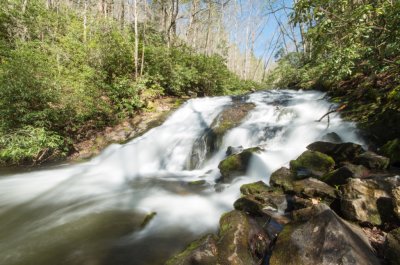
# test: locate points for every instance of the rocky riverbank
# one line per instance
(336, 204)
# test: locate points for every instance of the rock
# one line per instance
(283, 178)
(237, 164)
(396, 201)
(313, 188)
(339, 152)
(340, 175)
(311, 164)
(234, 150)
(211, 139)
(200, 252)
(392, 150)
(392, 247)
(255, 188)
(365, 202)
(324, 239)
(332, 137)
(242, 240)
(372, 160)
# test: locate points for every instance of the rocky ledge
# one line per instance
(336, 204)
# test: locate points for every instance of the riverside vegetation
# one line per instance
(62, 80)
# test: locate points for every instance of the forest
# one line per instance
(72, 66)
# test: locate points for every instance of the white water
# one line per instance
(148, 174)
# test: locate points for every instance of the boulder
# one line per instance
(332, 137)
(365, 202)
(340, 175)
(233, 150)
(372, 160)
(200, 252)
(396, 201)
(339, 152)
(392, 247)
(211, 139)
(311, 164)
(316, 189)
(324, 239)
(242, 241)
(237, 164)
(255, 188)
(283, 178)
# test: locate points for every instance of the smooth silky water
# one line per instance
(91, 213)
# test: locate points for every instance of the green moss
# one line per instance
(254, 188)
(392, 150)
(312, 164)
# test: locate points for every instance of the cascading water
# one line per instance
(88, 213)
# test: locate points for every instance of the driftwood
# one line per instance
(342, 107)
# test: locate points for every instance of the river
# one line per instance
(92, 213)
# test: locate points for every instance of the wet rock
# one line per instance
(339, 152)
(372, 160)
(340, 175)
(314, 188)
(392, 150)
(237, 164)
(332, 137)
(365, 202)
(311, 164)
(234, 150)
(242, 240)
(200, 252)
(392, 247)
(324, 239)
(283, 178)
(396, 201)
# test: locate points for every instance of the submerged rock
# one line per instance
(283, 178)
(332, 137)
(322, 240)
(200, 252)
(365, 202)
(339, 152)
(237, 164)
(311, 164)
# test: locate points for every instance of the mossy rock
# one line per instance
(372, 160)
(392, 150)
(340, 175)
(392, 247)
(311, 164)
(339, 152)
(237, 164)
(283, 178)
(314, 188)
(257, 188)
(242, 240)
(324, 238)
(200, 252)
(365, 202)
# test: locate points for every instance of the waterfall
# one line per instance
(86, 213)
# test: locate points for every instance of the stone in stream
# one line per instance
(211, 139)
(315, 189)
(392, 247)
(283, 178)
(324, 239)
(348, 170)
(372, 160)
(332, 137)
(237, 164)
(365, 201)
(311, 164)
(339, 152)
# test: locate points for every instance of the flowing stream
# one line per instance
(92, 213)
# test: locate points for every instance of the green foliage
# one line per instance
(59, 81)
(30, 144)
